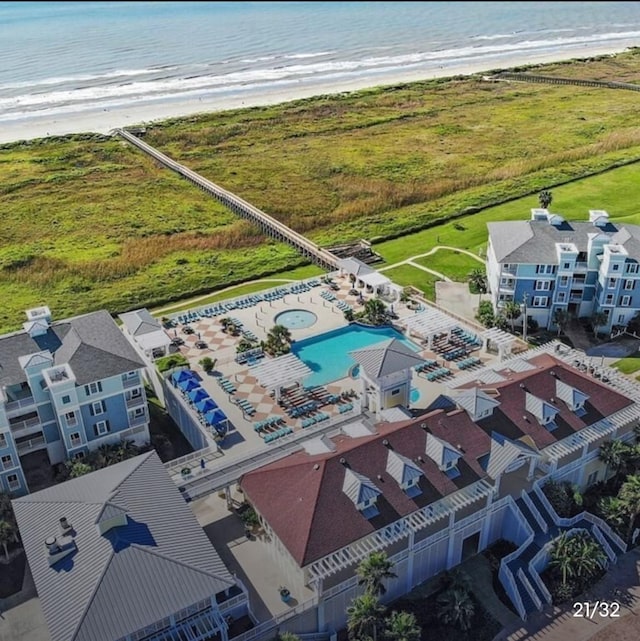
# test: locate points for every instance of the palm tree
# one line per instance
(78, 468)
(561, 556)
(373, 571)
(588, 555)
(598, 320)
(478, 280)
(402, 626)
(375, 311)
(545, 198)
(612, 454)
(614, 512)
(629, 495)
(560, 319)
(7, 535)
(456, 607)
(365, 615)
(512, 311)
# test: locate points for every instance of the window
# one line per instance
(620, 319)
(632, 268)
(540, 301)
(615, 267)
(625, 301)
(628, 284)
(566, 265)
(93, 388)
(564, 281)
(131, 374)
(592, 478)
(97, 408)
(7, 462)
(611, 283)
(136, 393)
(138, 411)
(13, 481)
(608, 299)
(395, 392)
(3, 441)
(544, 269)
(66, 399)
(101, 428)
(75, 439)
(70, 418)
(562, 297)
(78, 455)
(543, 285)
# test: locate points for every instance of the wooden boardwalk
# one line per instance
(267, 224)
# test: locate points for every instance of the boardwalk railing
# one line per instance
(526, 77)
(268, 224)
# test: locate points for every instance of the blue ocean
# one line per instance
(66, 57)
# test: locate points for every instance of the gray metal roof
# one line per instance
(534, 242)
(140, 321)
(92, 345)
(386, 357)
(401, 468)
(160, 562)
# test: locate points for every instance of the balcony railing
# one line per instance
(134, 401)
(131, 382)
(28, 425)
(581, 267)
(143, 419)
(33, 444)
(16, 407)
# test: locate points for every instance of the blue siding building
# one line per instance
(66, 387)
(547, 264)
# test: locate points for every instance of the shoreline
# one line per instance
(101, 121)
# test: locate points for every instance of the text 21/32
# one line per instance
(604, 609)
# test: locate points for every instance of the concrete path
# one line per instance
(620, 585)
(478, 568)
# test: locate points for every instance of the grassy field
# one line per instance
(409, 275)
(453, 264)
(91, 223)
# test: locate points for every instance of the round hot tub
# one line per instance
(296, 319)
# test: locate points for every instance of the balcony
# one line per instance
(31, 445)
(21, 406)
(137, 421)
(507, 286)
(510, 269)
(581, 267)
(26, 427)
(135, 401)
(131, 382)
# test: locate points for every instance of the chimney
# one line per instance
(52, 545)
(65, 527)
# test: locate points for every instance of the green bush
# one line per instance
(166, 363)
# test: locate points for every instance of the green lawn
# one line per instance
(455, 265)
(408, 275)
(628, 365)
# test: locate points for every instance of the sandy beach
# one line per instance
(103, 121)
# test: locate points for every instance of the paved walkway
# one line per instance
(621, 585)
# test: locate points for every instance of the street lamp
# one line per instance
(524, 321)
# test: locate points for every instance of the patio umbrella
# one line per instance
(182, 375)
(197, 394)
(188, 385)
(215, 417)
(205, 405)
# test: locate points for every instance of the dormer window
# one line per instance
(362, 492)
(365, 505)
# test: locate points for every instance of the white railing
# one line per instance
(131, 382)
(526, 584)
(25, 425)
(233, 602)
(32, 444)
(187, 458)
(22, 403)
(605, 527)
(611, 555)
(506, 578)
(537, 488)
(538, 562)
(341, 587)
(534, 511)
(134, 401)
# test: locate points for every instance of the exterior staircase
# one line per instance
(547, 525)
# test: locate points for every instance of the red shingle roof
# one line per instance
(313, 517)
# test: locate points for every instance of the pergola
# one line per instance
(380, 284)
(430, 323)
(501, 339)
(283, 371)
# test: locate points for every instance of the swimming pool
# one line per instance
(296, 319)
(327, 354)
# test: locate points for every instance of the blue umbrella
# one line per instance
(182, 375)
(214, 417)
(188, 385)
(197, 394)
(205, 405)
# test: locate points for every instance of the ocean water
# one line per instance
(68, 57)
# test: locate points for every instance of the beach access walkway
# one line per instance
(269, 225)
